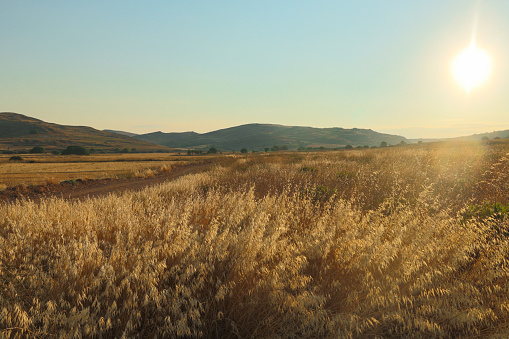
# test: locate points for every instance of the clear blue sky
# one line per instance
(204, 65)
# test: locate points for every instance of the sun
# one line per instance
(472, 67)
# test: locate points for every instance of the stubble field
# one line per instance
(389, 242)
(40, 169)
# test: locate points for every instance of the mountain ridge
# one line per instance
(257, 136)
(21, 132)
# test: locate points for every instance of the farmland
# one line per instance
(39, 169)
(388, 242)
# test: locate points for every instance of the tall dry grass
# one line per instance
(370, 243)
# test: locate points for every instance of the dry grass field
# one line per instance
(373, 243)
(39, 169)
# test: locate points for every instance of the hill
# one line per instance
(260, 136)
(20, 132)
(129, 134)
(504, 134)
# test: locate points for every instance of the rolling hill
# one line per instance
(504, 134)
(20, 132)
(260, 136)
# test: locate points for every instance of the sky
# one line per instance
(176, 66)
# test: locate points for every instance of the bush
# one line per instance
(16, 158)
(55, 152)
(244, 150)
(78, 150)
(212, 150)
(36, 150)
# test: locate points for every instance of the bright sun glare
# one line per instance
(472, 67)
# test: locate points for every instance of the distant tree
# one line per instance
(16, 158)
(402, 143)
(496, 138)
(212, 150)
(244, 150)
(301, 148)
(194, 151)
(284, 148)
(419, 142)
(34, 131)
(348, 147)
(125, 150)
(322, 148)
(485, 138)
(134, 150)
(36, 149)
(267, 149)
(78, 150)
(55, 152)
(275, 148)
(383, 144)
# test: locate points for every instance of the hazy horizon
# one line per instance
(204, 66)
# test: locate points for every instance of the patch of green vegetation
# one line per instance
(37, 150)
(320, 193)
(308, 169)
(489, 212)
(346, 175)
(78, 150)
(496, 211)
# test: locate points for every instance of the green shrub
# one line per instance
(36, 150)
(78, 150)
(16, 158)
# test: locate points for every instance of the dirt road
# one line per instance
(80, 189)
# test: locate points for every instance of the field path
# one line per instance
(116, 186)
(100, 187)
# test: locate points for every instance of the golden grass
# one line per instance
(370, 243)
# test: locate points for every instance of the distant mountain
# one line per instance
(504, 134)
(260, 136)
(129, 134)
(20, 132)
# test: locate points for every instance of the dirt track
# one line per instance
(94, 188)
